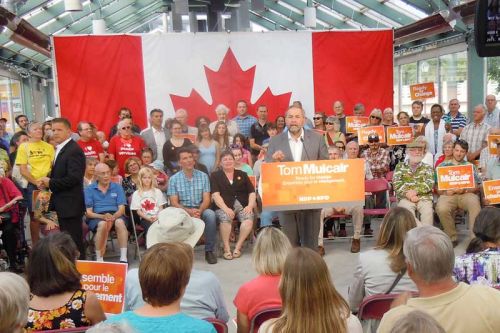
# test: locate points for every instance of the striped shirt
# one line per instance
(475, 134)
(189, 191)
(456, 122)
(493, 118)
(245, 123)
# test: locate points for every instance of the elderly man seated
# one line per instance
(334, 153)
(413, 183)
(457, 307)
(105, 202)
(466, 199)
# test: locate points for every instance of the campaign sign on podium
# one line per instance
(312, 184)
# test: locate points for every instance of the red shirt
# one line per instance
(258, 294)
(123, 149)
(91, 148)
(8, 191)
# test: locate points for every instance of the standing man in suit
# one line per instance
(298, 144)
(66, 182)
(156, 136)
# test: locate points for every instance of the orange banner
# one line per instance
(107, 281)
(352, 123)
(363, 133)
(399, 135)
(492, 143)
(455, 177)
(312, 184)
(191, 137)
(422, 91)
(491, 190)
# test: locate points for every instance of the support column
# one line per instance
(193, 22)
(476, 78)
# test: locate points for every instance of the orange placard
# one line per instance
(363, 133)
(353, 123)
(253, 180)
(107, 281)
(399, 135)
(492, 143)
(455, 177)
(491, 190)
(312, 184)
(191, 137)
(422, 91)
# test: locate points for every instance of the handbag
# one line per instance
(396, 280)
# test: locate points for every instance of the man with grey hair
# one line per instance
(457, 307)
(222, 111)
(182, 116)
(493, 113)
(476, 133)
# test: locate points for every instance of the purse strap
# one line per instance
(396, 280)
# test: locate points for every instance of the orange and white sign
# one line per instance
(364, 132)
(312, 184)
(399, 135)
(492, 143)
(491, 189)
(353, 123)
(455, 177)
(422, 91)
(107, 281)
(191, 137)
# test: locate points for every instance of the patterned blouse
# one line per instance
(479, 268)
(70, 315)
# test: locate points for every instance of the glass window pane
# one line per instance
(493, 72)
(428, 72)
(5, 101)
(396, 89)
(408, 77)
(454, 79)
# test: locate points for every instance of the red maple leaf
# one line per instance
(148, 205)
(229, 84)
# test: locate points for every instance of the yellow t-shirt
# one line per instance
(38, 156)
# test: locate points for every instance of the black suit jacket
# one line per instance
(240, 188)
(66, 182)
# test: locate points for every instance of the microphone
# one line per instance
(304, 148)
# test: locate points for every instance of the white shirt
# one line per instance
(160, 140)
(59, 147)
(296, 146)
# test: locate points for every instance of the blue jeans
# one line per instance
(266, 217)
(208, 216)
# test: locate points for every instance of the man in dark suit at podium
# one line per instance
(66, 182)
(298, 144)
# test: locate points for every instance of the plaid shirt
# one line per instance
(378, 162)
(458, 122)
(245, 123)
(493, 118)
(475, 134)
(189, 191)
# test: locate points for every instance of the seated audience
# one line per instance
(125, 145)
(234, 196)
(310, 301)
(123, 113)
(182, 116)
(129, 183)
(243, 119)
(90, 145)
(89, 176)
(156, 136)
(196, 156)
(148, 200)
(377, 157)
(268, 257)
(428, 158)
(146, 156)
(447, 155)
(333, 133)
(203, 297)
(105, 327)
(476, 133)
(237, 152)
(435, 131)
(417, 322)
(14, 298)
(160, 175)
(492, 169)
(455, 118)
(240, 140)
(458, 308)
(388, 118)
(164, 274)
(115, 176)
(105, 202)
(57, 297)
(466, 199)
(221, 111)
(413, 183)
(221, 135)
(280, 124)
(172, 146)
(481, 263)
(319, 122)
(209, 150)
(382, 270)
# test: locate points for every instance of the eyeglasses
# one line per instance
(329, 123)
(376, 117)
(126, 127)
(277, 226)
(317, 118)
(373, 140)
(340, 147)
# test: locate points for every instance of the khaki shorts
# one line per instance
(239, 214)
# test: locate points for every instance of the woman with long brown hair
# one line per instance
(221, 135)
(310, 301)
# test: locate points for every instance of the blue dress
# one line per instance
(208, 156)
(177, 323)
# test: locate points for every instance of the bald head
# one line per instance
(103, 173)
(338, 108)
(181, 115)
(491, 103)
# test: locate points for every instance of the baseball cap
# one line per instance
(373, 137)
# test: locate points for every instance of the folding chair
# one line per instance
(392, 195)
(378, 186)
(137, 250)
(375, 306)
(219, 325)
(69, 330)
(263, 315)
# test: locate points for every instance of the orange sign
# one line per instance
(399, 135)
(455, 177)
(107, 281)
(191, 137)
(363, 133)
(422, 91)
(491, 190)
(492, 143)
(312, 184)
(352, 123)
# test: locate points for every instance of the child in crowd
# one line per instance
(146, 156)
(161, 176)
(48, 219)
(115, 177)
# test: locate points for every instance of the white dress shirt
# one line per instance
(296, 146)
(160, 140)
(59, 147)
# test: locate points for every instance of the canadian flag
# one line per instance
(96, 75)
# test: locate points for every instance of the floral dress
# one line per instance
(70, 315)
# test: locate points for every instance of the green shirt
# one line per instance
(420, 180)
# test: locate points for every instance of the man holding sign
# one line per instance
(298, 144)
(452, 198)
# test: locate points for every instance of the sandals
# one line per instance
(227, 255)
(236, 253)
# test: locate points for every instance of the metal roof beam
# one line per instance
(287, 22)
(293, 16)
(134, 15)
(332, 21)
(386, 11)
(423, 5)
(263, 21)
(348, 12)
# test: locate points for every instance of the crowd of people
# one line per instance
(180, 183)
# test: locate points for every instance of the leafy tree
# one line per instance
(493, 70)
